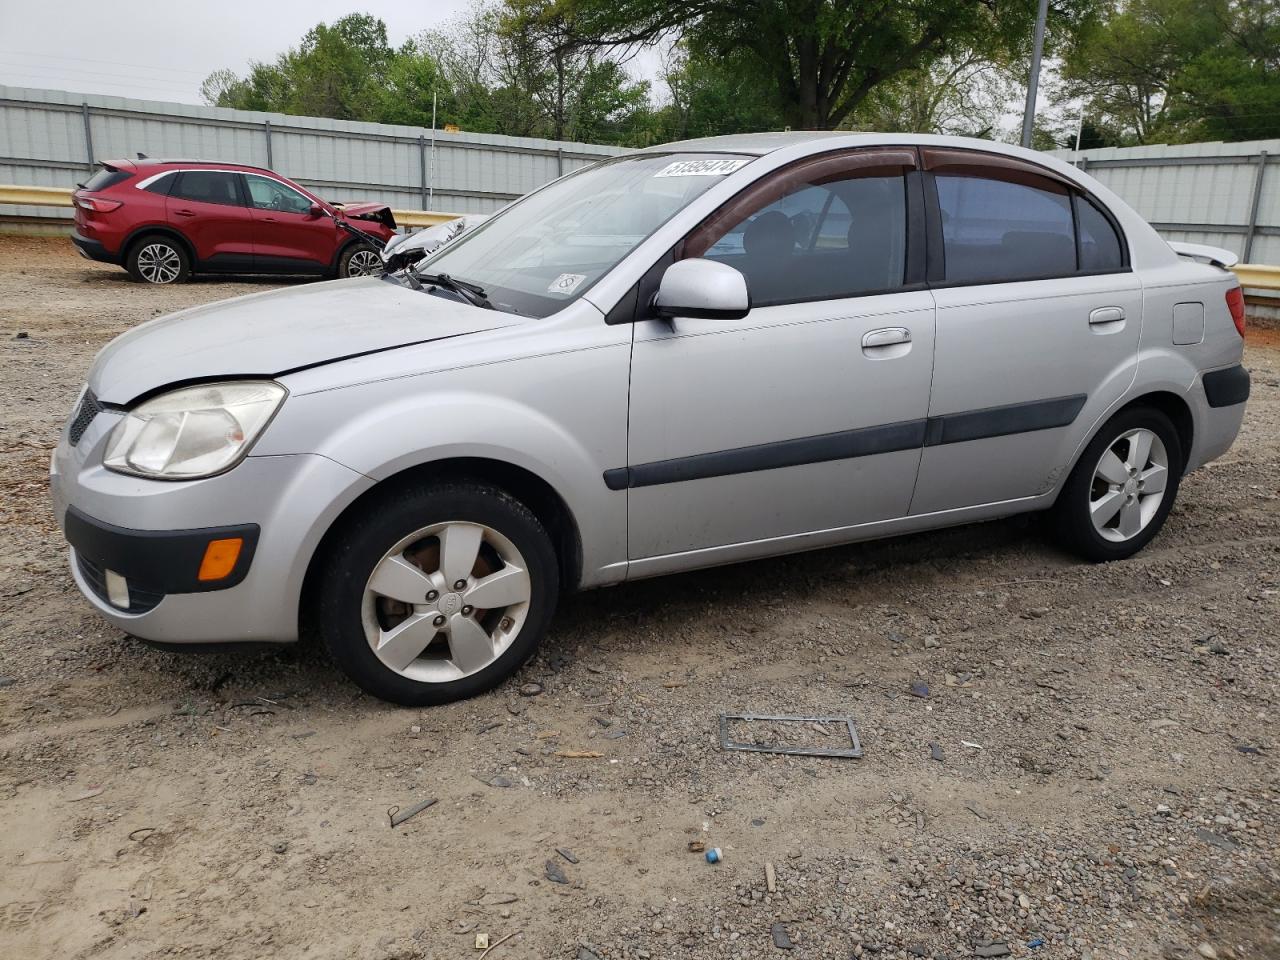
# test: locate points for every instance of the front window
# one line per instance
(549, 248)
(268, 194)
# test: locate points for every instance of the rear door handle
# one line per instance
(185, 213)
(1106, 315)
(886, 337)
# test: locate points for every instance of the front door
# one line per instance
(808, 414)
(1038, 324)
(286, 234)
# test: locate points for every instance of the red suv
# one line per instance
(163, 220)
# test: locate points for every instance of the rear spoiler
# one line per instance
(1205, 254)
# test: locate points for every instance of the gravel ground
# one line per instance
(1061, 760)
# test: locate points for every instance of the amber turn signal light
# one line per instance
(220, 558)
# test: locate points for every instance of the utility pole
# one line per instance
(1033, 82)
(431, 190)
(1080, 128)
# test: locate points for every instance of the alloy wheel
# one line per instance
(364, 263)
(1128, 485)
(446, 601)
(159, 263)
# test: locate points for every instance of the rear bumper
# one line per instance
(94, 249)
(1217, 404)
(1226, 388)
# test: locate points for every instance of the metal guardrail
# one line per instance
(61, 197)
(1256, 276)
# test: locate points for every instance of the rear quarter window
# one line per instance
(1100, 250)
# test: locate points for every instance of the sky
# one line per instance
(164, 51)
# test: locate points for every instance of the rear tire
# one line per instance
(437, 593)
(158, 259)
(359, 260)
(1122, 488)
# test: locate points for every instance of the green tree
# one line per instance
(1178, 70)
(711, 95)
(821, 58)
(966, 94)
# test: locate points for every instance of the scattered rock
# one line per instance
(1215, 839)
(781, 939)
(997, 949)
(554, 873)
(1207, 951)
(530, 689)
(281, 846)
(935, 752)
(919, 688)
(567, 854)
(500, 781)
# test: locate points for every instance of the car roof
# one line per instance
(151, 163)
(760, 144)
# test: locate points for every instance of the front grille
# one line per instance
(89, 408)
(140, 599)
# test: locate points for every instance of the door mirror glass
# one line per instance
(702, 288)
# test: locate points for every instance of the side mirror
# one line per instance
(315, 210)
(704, 289)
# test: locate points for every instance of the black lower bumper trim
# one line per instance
(94, 249)
(1226, 388)
(158, 561)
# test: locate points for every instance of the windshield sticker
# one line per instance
(700, 168)
(566, 283)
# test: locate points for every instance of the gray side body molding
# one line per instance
(846, 444)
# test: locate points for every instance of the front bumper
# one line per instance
(149, 565)
(92, 249)
(150, 533)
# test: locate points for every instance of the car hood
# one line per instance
(379, 212)
(269, 334)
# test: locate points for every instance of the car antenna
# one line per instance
(143, 156)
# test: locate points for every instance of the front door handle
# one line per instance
(886, 337)
(1106, 315)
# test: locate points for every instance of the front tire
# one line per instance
(437, 593)
(159, 260)
(359, 260)
(1122, 488)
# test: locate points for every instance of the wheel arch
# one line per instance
(526, 486)
(344, 247)
(1173, 405)
(158, 229)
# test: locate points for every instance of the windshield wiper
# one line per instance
(470, 292)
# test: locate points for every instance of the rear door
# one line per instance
(807, 415)
(206, 205)
(1037, 327)
(286, 234)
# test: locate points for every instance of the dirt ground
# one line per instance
(1092, 773)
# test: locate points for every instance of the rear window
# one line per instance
(995, 231)
(106, 177)
(208, 186)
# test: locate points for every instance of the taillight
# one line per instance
(1235, 303)
(97, 204)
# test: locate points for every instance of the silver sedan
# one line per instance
(695, 354)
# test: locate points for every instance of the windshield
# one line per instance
(549, 248)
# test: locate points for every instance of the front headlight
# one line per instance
(193, 432)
